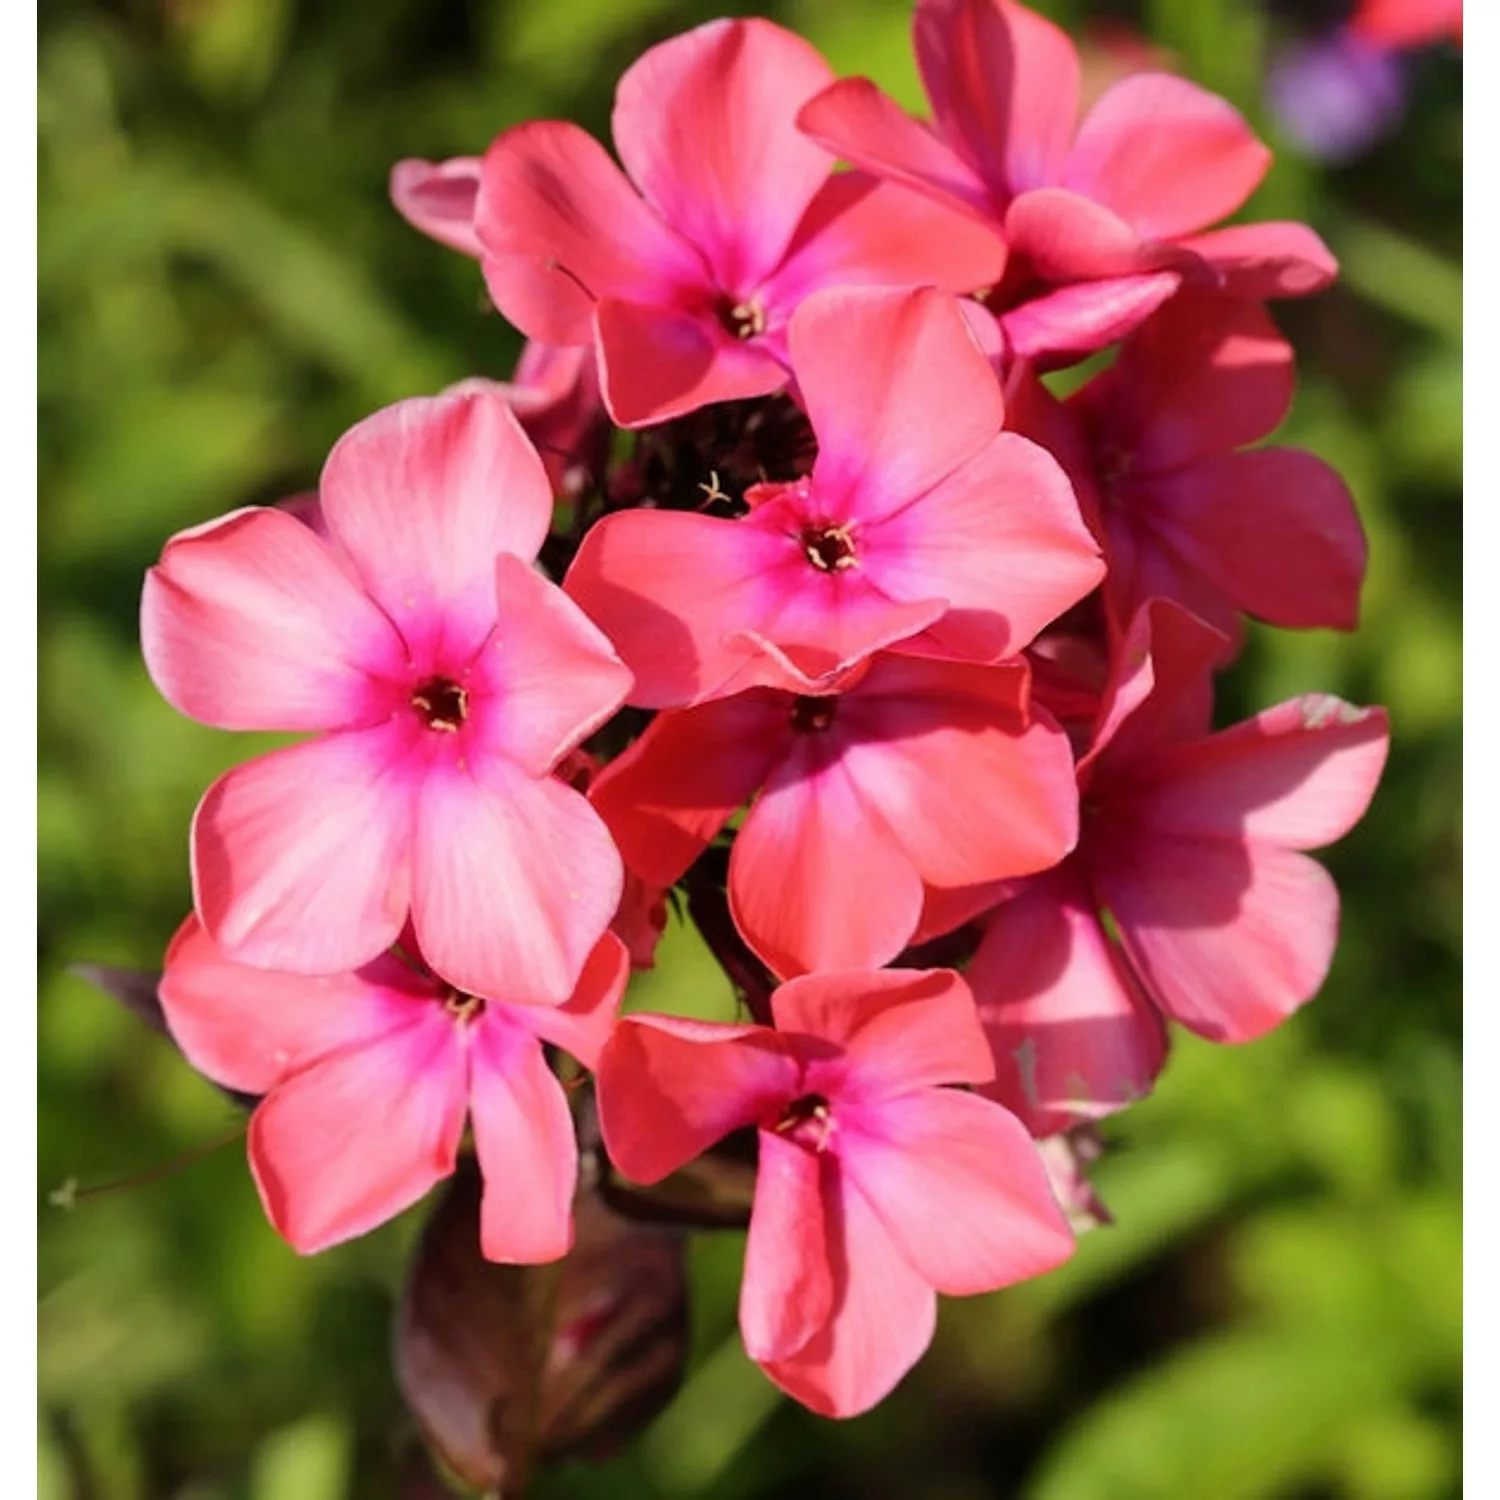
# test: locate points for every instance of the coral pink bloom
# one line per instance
(1269, 532)
(447, 678)
(369, 1076)
(438, 198)
(1408, 23)
(877, 1188)
(917, 774)
(1118, 202)
(1191, 842)
(684, 273)
(921, 522)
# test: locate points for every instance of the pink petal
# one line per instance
(546, 679)
(1165, 155)
(1301, 774)
(1062, 326)
(353, 1140)
(1265, 261)
(862, 231)
(561, 227)
(704, 123)
(438, 198)
(898, 391)
(1000, 539)
(423, 496)
(249, 1029)
(816, 881)
(252, 622)
(897, 1029)
(1074, 1038)
(1206, 375)
(943, 757)
(856, 121)
(1004, 83)
(882, 1325)
(1069, 237)
(787, 1294)
(659, 362)
(1273, 530)
(513, 881)
(670, 793)
(581, 1025)
(528, 1154)
(669, 1088)
(958, 1184)
(300, 858)
(1229, 939)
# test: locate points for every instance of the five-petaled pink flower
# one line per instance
(447, 679)
(877, 1188)
(922, 525)
(369, 1076)
(683, 275)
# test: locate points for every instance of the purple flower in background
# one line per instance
(1336, 95)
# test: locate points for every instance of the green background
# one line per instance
(223, 290)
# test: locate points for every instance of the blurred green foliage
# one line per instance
(224, 289)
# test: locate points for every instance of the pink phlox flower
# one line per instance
(444, 679)
(683, 273)
(439, 198)
(1104, 217)
(877, 1187)
(910, 775)
(1185, 510)
(922, 523)
(369, 1076)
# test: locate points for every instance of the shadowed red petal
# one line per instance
(581, 1025)
(1265, 261)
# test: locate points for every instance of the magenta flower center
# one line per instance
(812, 715)
(743, 320)
(441, 704)
(830, 549)
(463, 1008)
(808, 1121)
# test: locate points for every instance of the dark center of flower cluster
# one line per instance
(830, 549)
(441, 704)
(808, 1121)
(743, 320)
(463, 1008)
(812, 715)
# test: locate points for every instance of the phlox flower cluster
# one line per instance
(778, 584)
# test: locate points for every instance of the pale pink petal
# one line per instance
(1229, 939)
(582, 1025)
(882, 1322)
(899, 393)
(1301, 774)
(1074, 1038)
(787, 1294)
(896, 1029)
(300, 858)
(353, 1140)
(816, 882)
(1166, 155)
(862, 231)
(1206, 375)
(523, 1136)
(1265, 261)
(944, 758)
(1062, 326)
(658, 362)
(856, 121)
(253, 622)
(705, 124)
(248, 1029)
(1003, 82)
(1273, 530)
(1001, 539)
(513, 881)
(670, 1088)
(546, 678)
(958, 1184)
(424, 496)
(438, 198)
(671, 792)
(562, 227)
